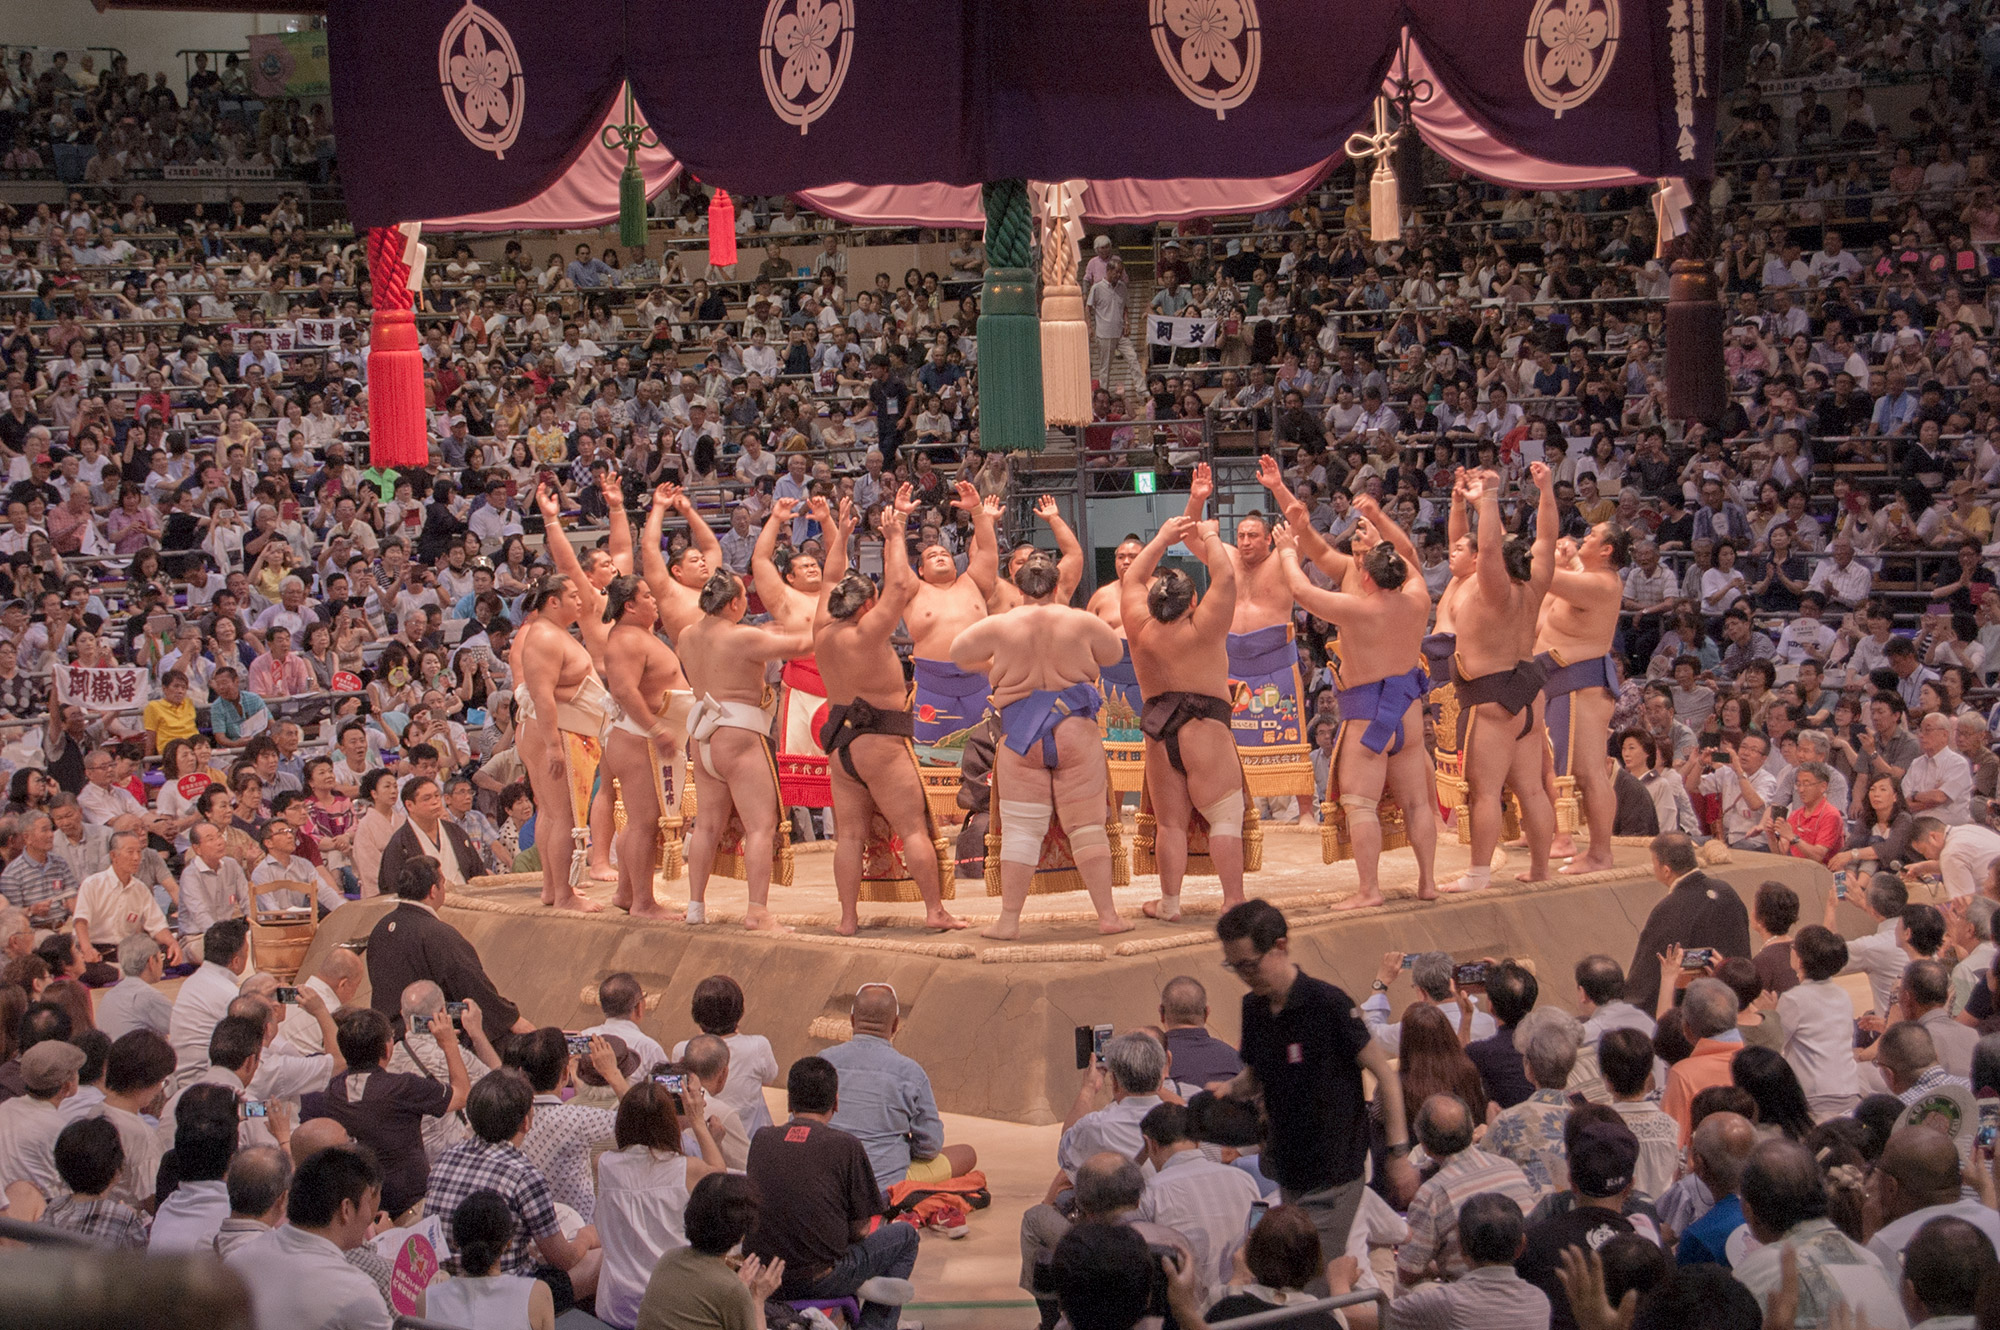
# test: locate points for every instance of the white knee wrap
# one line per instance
(1088, 842)
(1023, 827)
(1360, 808)
(1225, 815)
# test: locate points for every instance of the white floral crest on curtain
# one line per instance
(1212, 49)
(803, 56)
(1569, 50)
(480, 74)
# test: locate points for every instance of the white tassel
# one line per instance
(1065, 325)
(1385, 203)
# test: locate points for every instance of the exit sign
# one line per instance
(1143, 482)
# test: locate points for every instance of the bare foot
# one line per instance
(758, 919)
(1151, 909)
(1001, 930)
(1461, 886)
(1518, 843)
(942, 920)
(654, 910)
(1562, 847)
(1584, 864)
(621, 899)
(849, 925)
(1360, 900)
(603, 873)
(569, 900)
(1113, 925)
(1427, 891)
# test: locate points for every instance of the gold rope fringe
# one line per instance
(1042, 953)
(830, 1029)
(1142, 946)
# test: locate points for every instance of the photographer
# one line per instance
(1107, 1277)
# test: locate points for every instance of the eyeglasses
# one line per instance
(878, 984)
(1245, 968)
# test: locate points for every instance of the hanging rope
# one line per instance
(1385, 205)
(1065, 323)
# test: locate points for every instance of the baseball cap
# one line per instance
(1602, 1160)
(48, 1064)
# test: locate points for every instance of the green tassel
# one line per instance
(632, 206)
(1010, 330)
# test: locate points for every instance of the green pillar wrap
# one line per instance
(632, 205)
(1010, 332)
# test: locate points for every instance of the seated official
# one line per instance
(886, 1100)
(410, 943)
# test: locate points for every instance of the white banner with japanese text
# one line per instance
(97, 688)
(1163, 331)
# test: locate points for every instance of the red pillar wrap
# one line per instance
(396, 436)
(721, 230)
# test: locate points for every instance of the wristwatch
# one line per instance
(1379, 986)
(1398, 1151)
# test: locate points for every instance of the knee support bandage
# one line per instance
(1225, 815)
(1360, 808)
(1023, 826)
(1088, 842)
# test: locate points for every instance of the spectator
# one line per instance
(90, 1159)
(1131, 1069)
(643, 1188)
(1431, 972)
(1625, 1060)
(887, 1102)
(1490, 1294)
(336, 980)
(298, 1274)
(1962, 855)
(482, 1228)
(1699, 911)
(717, 1008)
(1531, 1132)
(1785, 1206)
(1600, 1177)
(500, 1110)
(707, 1060)
(1206, 1202)
(411, 943)
(205, 1133)
(385, 1110)
(30, 1122)
(565, 1134)
(819, 1195)
(1923, 1000)
(1774, 914)
(1908, 1062)
(1434, 1250)
(622, 1000)
(1105, 1276)
(1815, 829)
(1511, 990)
(1282, 1256)
(418, 1053)
(1600, 1001)
(692, 1288)
(1818, 1020)
(135, 1072)
(213, 886)
(133, 1003)
(1944, 1270)
(1710, 1011)
(1195, 1057)
(258, 1182)
(1716, 1155)
(206, 994)
(1917, 1180)
(1882, 955)
(1938, 782)
(1305, 1051)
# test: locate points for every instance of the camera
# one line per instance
(579, 1045)
(288, 996)
(1090, 1042)
(1697, 958)
(1470, 975)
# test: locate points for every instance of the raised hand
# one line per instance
(665, 495)
(905, 501)
(1177, 529)
(546, 499)
(993, 507)
(1209, 529)
(1203, 486)
(847, 514)
(821, 511)
(782, 510)
(1268, 473)
(966, 499)
(1284, 539)
(1045, 508)
(1544, 479)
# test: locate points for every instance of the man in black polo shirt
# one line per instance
(1304, 1049)
(819, 1195)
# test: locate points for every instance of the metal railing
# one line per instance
(1301, 1311)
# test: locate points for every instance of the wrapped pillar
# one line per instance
(1697, 382)
(396, 435)
(1010, 335)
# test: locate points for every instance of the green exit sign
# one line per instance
(1143, 482)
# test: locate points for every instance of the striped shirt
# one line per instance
(34, 886)
(1491, 1297)
(1433, 1214)
(108, 1220)
(1208, 1204)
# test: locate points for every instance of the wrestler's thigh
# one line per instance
(1590, 719)
(854, 804)
(1208, 749)
(1492, 743)
(1361, 771)
(1019, 779)
(628, 759)
(1082, 777)
(1167, 788)
(892, 784)
(1530, 763)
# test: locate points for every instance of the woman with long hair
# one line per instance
(1767, 1078)
(1433, 1061)
(1881, 835)
(27, 791)
(643, 1186)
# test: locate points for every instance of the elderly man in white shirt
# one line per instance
(1841, 576)
(30, 1123)
(113, 806)
(1881, 953)
(1746, 789)
(336, 982)
(213, 886)
(1133, 1067)
(281, 863)
(1431, 972)
(1939, 781)
(1206, 1202)
(621, 998)
(133, 1003)
(114, 904)
(1962, 855)
(298, 1274)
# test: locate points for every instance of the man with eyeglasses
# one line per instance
(282, 863)
(1304, 1050)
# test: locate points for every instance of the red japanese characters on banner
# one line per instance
(97, 688)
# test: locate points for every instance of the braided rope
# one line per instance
(389, 276)
(1010, 224)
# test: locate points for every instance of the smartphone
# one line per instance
(1258, 1209)
(455, 1010)
(254, 1108)
(1779, 812)
(1840, 885)
(1090, 1042)
(1697, 958)
(1472, 974)
(288, 996)
(579, 1045)
(673, 1081)
(1409, 960)
(1987, 1134)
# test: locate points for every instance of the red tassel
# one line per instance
(721, 230)
(396, 435)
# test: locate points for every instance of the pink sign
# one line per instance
(343, 682)
(415, 1267)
